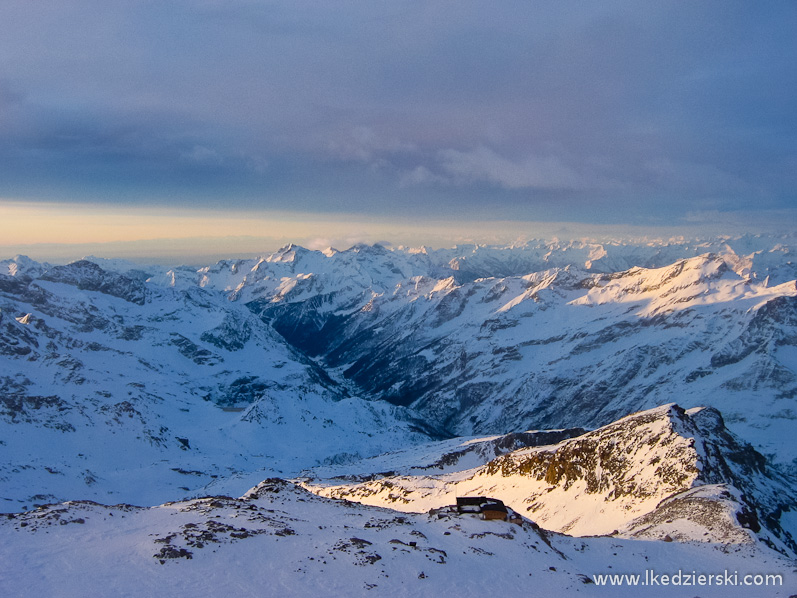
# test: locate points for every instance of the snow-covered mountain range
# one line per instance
(397, 379)
(551, 348)
(113, 388)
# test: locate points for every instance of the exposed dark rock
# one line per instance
(89, 276)
(193, 351)
(231, 335)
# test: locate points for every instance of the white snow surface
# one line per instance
(123, 383)
(279, 540)
(653, 474)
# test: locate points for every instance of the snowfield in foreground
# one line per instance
(688, 498)
(280, 540)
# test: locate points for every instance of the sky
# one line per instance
(139, 121)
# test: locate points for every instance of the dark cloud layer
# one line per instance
(612, 111)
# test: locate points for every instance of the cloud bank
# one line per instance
(598, 112)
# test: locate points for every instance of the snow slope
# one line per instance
(280, 540)
(123, 383)
(616, 480)
(115, 389)
(114, 374)
(551, 348)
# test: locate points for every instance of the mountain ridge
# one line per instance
(618, 477)
(396, 339)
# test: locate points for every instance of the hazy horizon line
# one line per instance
(202, 249)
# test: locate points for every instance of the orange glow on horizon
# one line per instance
(35, 227)
(72, 230)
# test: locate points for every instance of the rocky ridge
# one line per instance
(631, 478)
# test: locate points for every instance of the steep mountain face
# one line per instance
(304, 357)
(658, 473)
(554, 348)
(113, 386)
